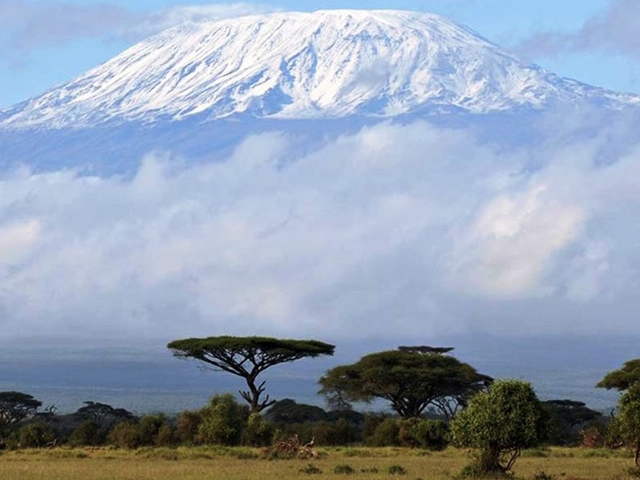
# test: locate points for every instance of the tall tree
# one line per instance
(623, 378)
(248, 357)
(410, 378)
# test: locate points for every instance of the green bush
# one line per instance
(88, 433)
(430, 434)
(386, 434)
(187, 427)
(343, 469)
(35, 435)
(370, 423)
(396, 470)
(223, 421)
(148, 428)
(166, 436)
(125, 435)
(258, 432)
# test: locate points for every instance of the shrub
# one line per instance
(187, 427)
(310, 469)
(422, 433)
(386, 434)
(148, 428)
(88, 433)
(125, 435)
(36, 435)
(343, 469)
(223, 421)
(166, 436)
(396, 470)
(258, 432)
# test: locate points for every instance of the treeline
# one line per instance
(224, 421)
(436, 400)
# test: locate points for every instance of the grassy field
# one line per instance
(247, 464)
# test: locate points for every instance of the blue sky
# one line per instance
(47, 42)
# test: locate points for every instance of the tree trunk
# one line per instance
(489, 461)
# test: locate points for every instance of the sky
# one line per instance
(46, 42)
(430, 229)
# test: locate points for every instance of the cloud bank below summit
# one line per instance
(411, 224)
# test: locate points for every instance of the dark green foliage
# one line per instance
(623, 378)
(248, 357)
(310, 469)
(288, 411)
(628, 420)
(103, 415)
(125, 435)
(148, 428)
(410, 432)
(148, 431)
(427, 434)
(386, 434)
(567, 418)
(89, 433)
(411, 379)
(340, 432)
(369, 426)
(396, 470)
(15, 406)
(542, 475)
(187, 427)
(35, 435)
(257, 432)
(222, 421)
(500, 423)
(343, 469)
(166, 436)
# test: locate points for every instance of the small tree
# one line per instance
(623, 378)
(248, 357)
(410, 378)
(628, 419)
(500, 423)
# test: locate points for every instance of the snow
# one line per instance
(324, 64)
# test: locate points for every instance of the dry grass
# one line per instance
(247, 464)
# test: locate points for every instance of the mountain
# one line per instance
(326, 64)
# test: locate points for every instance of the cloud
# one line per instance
(612, 31)
(28, 25)
(424, 227)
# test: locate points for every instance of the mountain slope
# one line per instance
(302, 65)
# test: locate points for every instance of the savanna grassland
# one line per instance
(218, 463)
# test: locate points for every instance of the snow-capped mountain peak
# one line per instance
(301, 65)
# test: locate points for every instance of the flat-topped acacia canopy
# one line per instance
(247, 357)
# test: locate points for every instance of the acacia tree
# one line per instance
(410, 378)
(103, 415)
(248, 357)
(15, 406)
(623, 378)
(500, 423)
